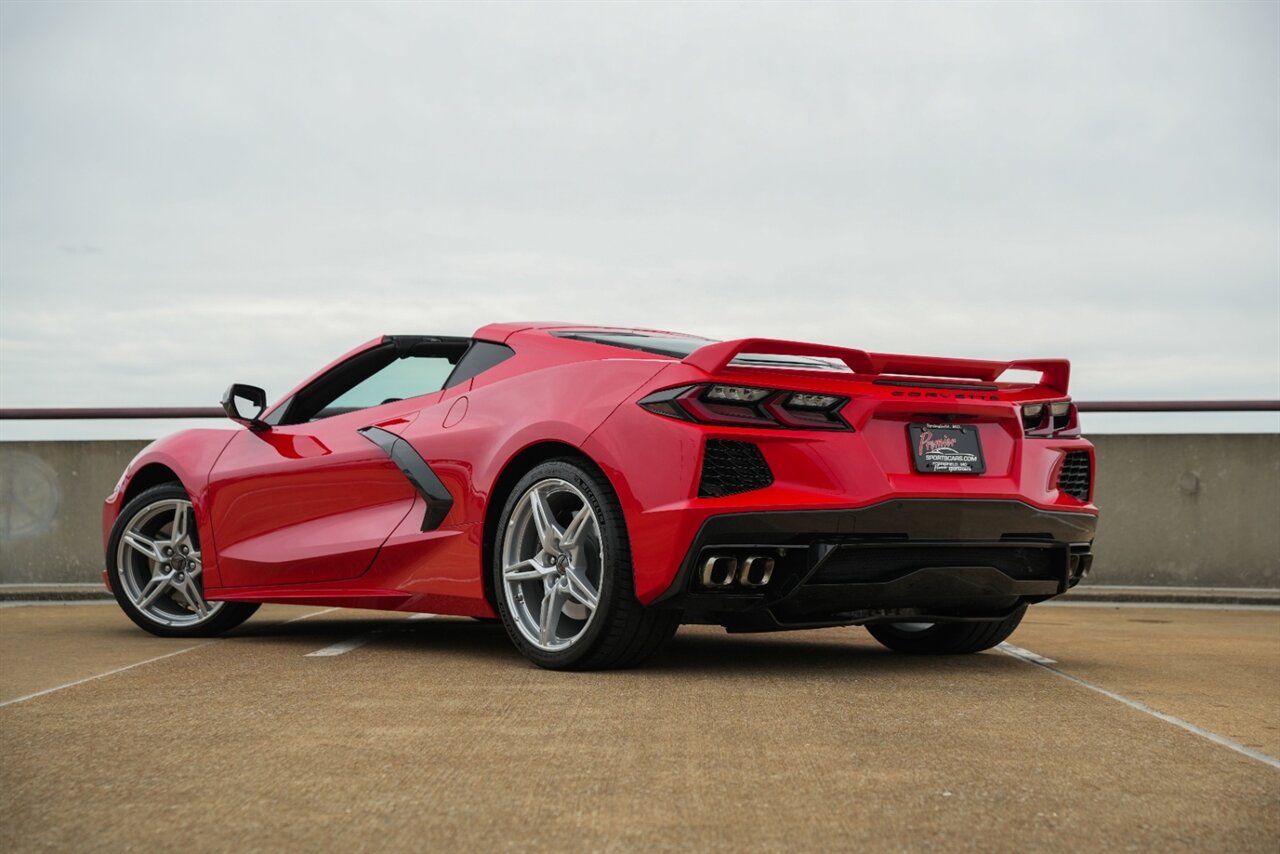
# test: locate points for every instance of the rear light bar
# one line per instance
(1058, 419)
(749, 406)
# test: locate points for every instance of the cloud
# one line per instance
(196, 193)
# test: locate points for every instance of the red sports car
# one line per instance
(594, 488)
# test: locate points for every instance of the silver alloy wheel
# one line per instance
(552, 564)
(158, 565)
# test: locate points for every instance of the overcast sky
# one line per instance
(193, 194)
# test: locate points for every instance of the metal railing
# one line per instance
(1179, 406)
(106, 412)
(126, 412)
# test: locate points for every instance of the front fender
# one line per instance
(189, 454)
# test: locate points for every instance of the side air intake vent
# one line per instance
(1074, 478)
(732, 467)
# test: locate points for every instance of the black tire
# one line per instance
(947, 638)
(223, 616)
(621, 632)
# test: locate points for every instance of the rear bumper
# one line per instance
(899, 559)
(657, 466)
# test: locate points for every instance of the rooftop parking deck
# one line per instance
(321, 730)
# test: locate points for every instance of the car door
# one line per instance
(311, 498)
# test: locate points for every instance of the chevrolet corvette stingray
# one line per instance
(594, 488)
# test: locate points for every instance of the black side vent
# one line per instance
(1074, 478)
(732, 467)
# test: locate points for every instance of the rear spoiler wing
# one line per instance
(714, 358)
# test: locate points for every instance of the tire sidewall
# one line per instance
(616, 549)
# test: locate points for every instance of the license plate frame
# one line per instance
(946, 448)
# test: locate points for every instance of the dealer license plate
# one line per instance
(947, 448)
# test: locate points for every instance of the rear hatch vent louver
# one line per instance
(1074, 479)
(729, 468)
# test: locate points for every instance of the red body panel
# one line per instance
(318, 513)
(303, 503)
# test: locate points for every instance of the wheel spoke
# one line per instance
(178, 532)
(535, 570)
(549, 619)
(576, 528)
(144, 546)
(191, 593)
(157, 585)
(549, 533)
(581, 588)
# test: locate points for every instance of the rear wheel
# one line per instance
(562, 573)
(946, 638)
(156, 568)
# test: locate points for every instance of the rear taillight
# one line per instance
(1058, 419)
(749, 406)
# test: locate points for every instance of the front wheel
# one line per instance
(156, 569)
(946, 638)
(562, 574)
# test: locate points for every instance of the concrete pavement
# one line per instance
(434, 734)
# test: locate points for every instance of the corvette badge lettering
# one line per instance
(945, 396)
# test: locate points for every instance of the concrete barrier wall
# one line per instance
(51, 497)
(1188, 510)
(1177, 510)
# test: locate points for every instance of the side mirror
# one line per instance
(250, 395)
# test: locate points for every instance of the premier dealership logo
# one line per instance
(940, 445)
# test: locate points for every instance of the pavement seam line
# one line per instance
(97, 676)
(342, 646)
(1019, 652)
(1220, 740)
(104, 675)
(356, 642)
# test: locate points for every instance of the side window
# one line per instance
(482, 356)
(403, 378)
(399, 369)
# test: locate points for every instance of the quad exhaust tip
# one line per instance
(756, 571)
(721, 571)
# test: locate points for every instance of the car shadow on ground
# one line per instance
(790, 654)
(694, 650)
(389, 631)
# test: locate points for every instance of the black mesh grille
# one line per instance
(1074, 477)
(876, 564)
(732, 467)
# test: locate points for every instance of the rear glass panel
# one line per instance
(674, 346)
(678, 347)
(803, 363)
